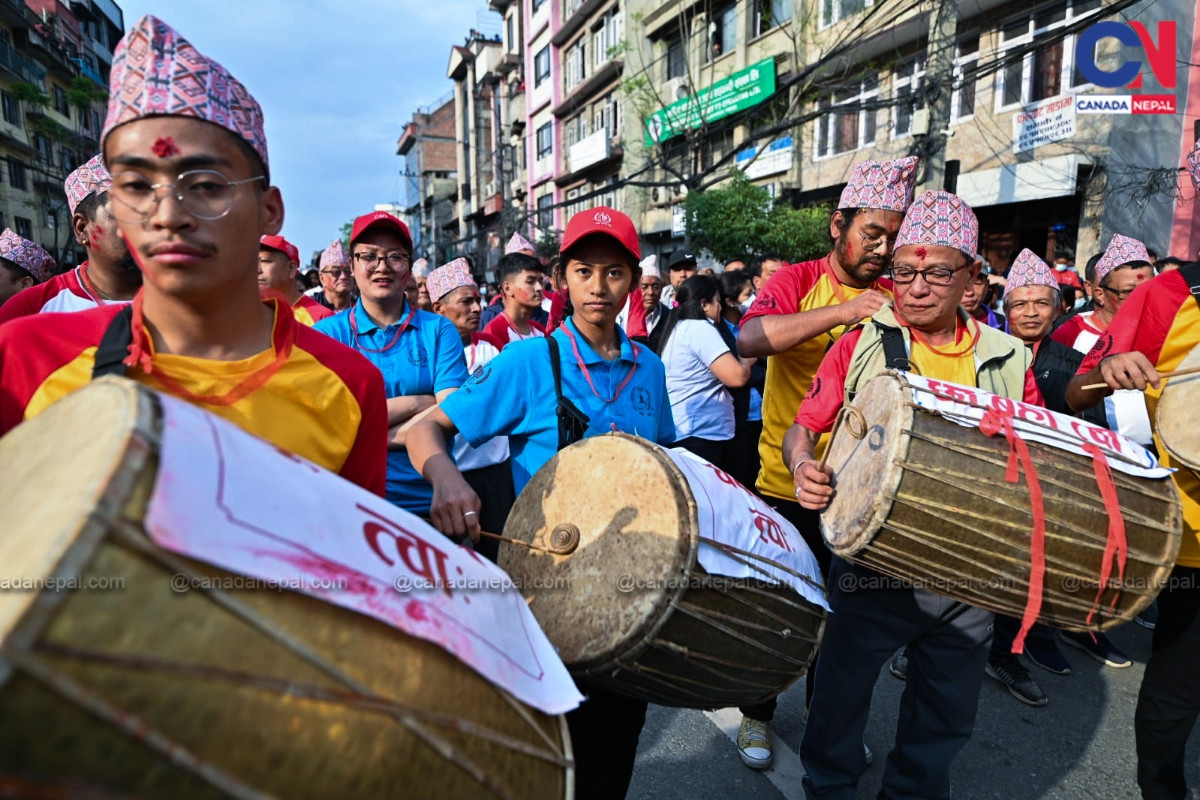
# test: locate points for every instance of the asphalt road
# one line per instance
(1080, 745)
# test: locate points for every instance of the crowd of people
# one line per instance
(405, 380)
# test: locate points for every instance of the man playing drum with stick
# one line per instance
(873, 615)
(798, 314)
(1151, 334)
(184, 142)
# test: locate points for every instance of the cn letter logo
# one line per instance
(1160, 54)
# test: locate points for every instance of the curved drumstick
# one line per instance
(1179, 373)
(564, 539)
(859, 422)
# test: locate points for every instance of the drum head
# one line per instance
(867, 471)
(637, 539)
(84, 442)
(1177, 429)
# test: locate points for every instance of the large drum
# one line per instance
(634, 607)
(1175, 418)
(926, 499)
(126, 686)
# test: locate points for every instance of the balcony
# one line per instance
(579, 94)
(575, 14)
(14, 13)
(56, 57)
(24, 68)
(89, 72)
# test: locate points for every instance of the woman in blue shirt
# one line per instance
(618, 385)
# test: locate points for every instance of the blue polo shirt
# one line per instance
(513, 395)
(427, 358)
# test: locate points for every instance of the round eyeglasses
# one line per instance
(204, 194)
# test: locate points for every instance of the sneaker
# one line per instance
(1011, 672)
(899, 665)
(1102, 649)
(1149, 617)
(870, 756)
(754, 743)
(1045, 654)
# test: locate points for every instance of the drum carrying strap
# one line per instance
(894, 351)
(114, 346)
(1191, 274)
(572, 423)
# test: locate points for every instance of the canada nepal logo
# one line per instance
(1160, 55)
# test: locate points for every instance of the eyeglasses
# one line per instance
(933, 277)
(204, 194)
(394, 260)
(346, 271)
(1120, 294)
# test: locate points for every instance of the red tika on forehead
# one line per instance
(921, 253)
(165, 147)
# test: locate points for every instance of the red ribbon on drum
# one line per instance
(1116, 545)
(1001, 421)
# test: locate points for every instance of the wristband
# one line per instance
(799, 464)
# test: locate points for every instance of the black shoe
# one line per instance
(899, 665)
(1102, 649)
(1009, 670)
(1148, 618)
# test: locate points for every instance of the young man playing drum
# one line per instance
(874, 615)
(1155, 329)
(110, 275)
(617, 384)
(797, 315)
(191, 195)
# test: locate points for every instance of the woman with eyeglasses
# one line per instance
(419, 353)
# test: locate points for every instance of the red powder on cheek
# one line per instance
(921, 253)
(164, 147)
(849, 251)
(99, 231)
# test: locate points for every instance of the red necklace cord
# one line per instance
(395, 338)
(588, 375)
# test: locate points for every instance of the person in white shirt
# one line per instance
(700, 365)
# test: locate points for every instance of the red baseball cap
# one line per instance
(380, 219)
(606, 221)
(282, 245)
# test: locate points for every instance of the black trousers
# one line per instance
(711, 450)
(741, 458)
(605, 730)
(808, 523)
(1169, 699)
(494, 485)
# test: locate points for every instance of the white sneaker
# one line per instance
(754, 743)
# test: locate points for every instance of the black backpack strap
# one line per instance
(894, 350)
(114, 346)
(1191, 274)
(572, 423)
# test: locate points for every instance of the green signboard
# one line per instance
(741, 90)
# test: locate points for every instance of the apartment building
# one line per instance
(428, 147)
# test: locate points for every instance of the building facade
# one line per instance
(428, 148)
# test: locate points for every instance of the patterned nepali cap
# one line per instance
(1121, 250)
(940, 218)
(420, 268)
(1029, 270)
(157, 72)
(27, 255)
(91, 178)
(448, 277)
(1193, 165)
(334, 255)
(517, 243)
(888, 185)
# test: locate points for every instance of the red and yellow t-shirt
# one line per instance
(325, 403)
(308, 311)
(1161, 320)
(794, 288)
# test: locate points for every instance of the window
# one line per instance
(846, 125)
(575, 64)
(510, 34)
(574, 129)
(966, 72)
(65, 158)
(545, 214)
(1039, 67)
(906, 88)
(675, 61)
(43, 149)
(605, 116)
(544, 141)
(836, 10)
(535, 5)
(606, 40)
(60, 102)
(769, 13)
(24, 227)
(16, 174)
(907, 81)
(541, 66)
(12, 108)
(722, 32)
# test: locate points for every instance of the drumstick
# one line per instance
(1179, 373)
(843, 413)
(563, 539)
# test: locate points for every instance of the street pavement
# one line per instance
(1080, 745)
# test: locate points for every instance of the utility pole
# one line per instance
(938, 89)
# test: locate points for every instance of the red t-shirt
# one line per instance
(65, 292)
(501, 331)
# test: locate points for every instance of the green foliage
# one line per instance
(740, 220)
(345, 231)
(547, 246)
(54, 131)
(30, 93)
(84, 92)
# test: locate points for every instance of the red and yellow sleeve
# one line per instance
(1143, 322)
(367, 463)
(784, 291)
(827, 393)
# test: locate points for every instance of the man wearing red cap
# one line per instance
(601, 369)
(110, 275)
(278, 264)
(191, 196)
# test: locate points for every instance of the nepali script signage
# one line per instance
(1042, 123)
(741, 90)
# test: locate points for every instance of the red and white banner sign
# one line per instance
(731, 514)
(231, 499)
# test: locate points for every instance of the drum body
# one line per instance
(631, 608)
(924, 499)
(1175, 420)
(144, 690)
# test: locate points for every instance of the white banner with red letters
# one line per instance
(966, 405)
(231, 499)
(733, 516)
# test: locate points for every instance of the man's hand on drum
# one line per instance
(863, 306)
(814, 484)
(1129, 371)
